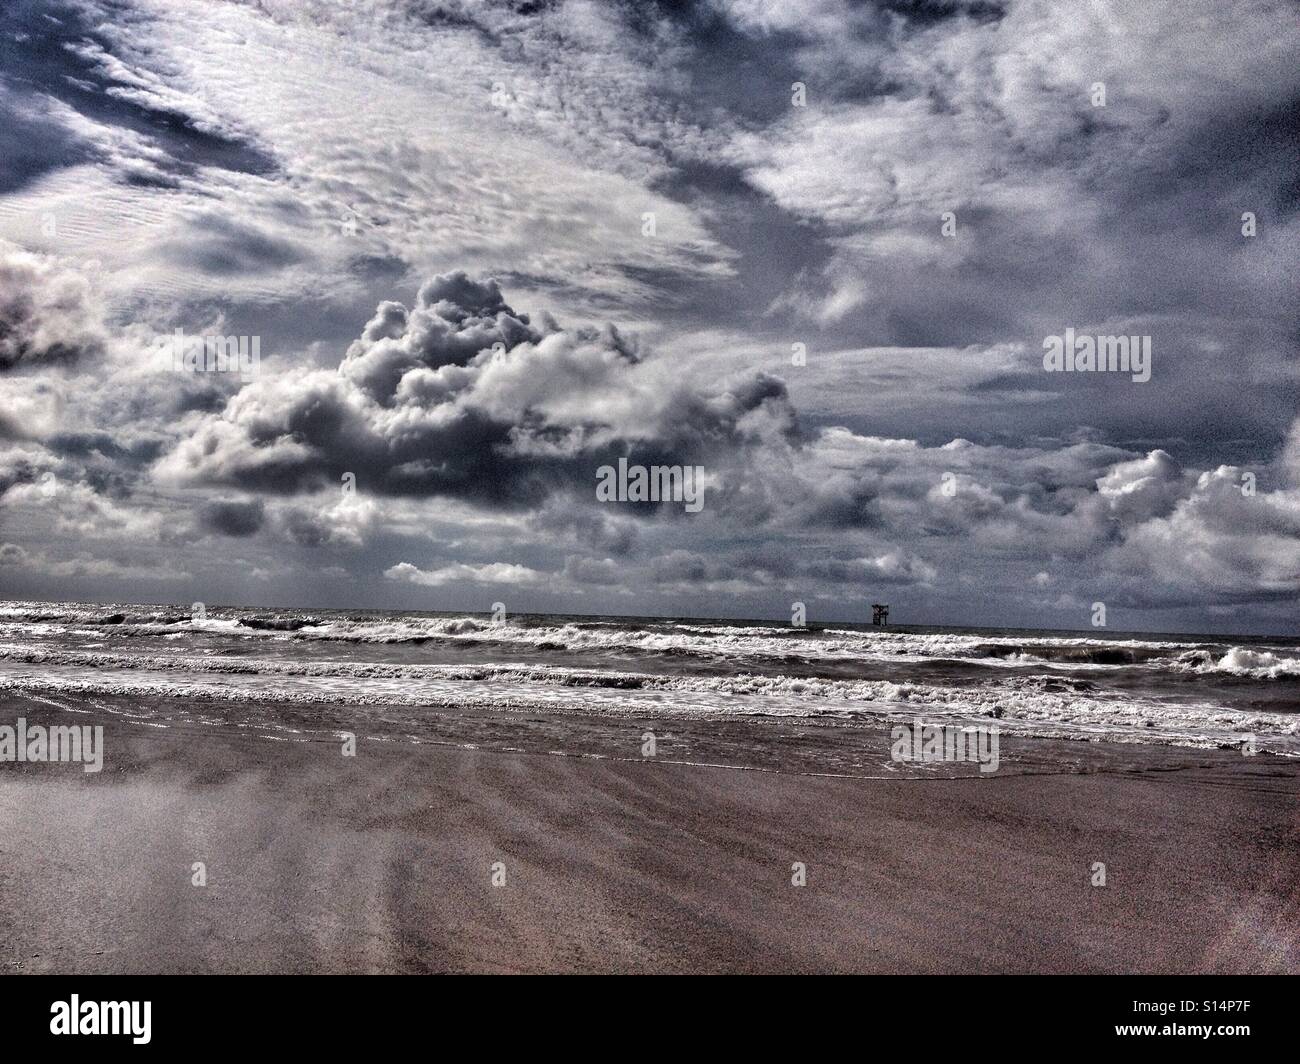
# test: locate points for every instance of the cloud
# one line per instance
(1145, 487)
(233, 517)
(517, 144)
(1218, 541)
(84, 566)
(47, 312)
(462, 396)
(330, 519)
(1064, 213)
(12, 554)
(29, 407)
(84, 508)
(487, 573)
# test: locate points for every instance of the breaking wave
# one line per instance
(1241, 661)
(1025, 705)
(1183, 691)
(708, 642)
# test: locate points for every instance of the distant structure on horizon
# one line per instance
(880, 613)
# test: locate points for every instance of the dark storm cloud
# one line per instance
(233, 517)
(130, 449)
(463, 396)
(725, 62)
(305, 528)
(423, 405)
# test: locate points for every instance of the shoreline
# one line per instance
(384, 862)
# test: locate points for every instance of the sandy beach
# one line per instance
(385, 863)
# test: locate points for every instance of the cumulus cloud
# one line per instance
(1145, 487)
(29, 408)
(47, 312)
(1218, 541)
(462, 396)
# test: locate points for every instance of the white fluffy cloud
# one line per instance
(48, 313)
(519, 576)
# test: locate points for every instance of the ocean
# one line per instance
(597, 686)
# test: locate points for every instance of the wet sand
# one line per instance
(384, 863)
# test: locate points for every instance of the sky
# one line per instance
(816, 250)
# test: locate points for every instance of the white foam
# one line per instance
(1241, 661)
(1026, 705)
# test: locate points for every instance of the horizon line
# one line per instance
(1099, 632)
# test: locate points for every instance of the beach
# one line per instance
(385, 861)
